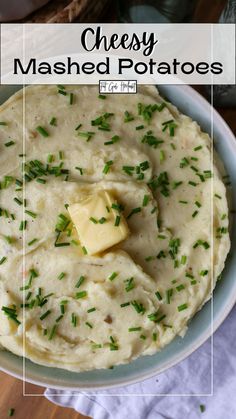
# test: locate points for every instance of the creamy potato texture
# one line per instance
(80, 312)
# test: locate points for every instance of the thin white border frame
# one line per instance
(212, 113)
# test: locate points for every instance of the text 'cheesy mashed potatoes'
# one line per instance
(149, 169)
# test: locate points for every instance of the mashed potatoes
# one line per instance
(81, 312)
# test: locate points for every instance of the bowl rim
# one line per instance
(218, 120)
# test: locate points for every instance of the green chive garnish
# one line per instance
(53, 331)
(9, 143)
(11, 411)
(113, 276)
(42, 131)
(18, 201)
(145, 200)
(80, 281)
(31, 213)
(71, 98)
(53, 122)
(107, 167)
(134, 329)
(44, 315)
(182, 307)
(4, 258)
(81, 294)
(134, 211)
(117, 221)
(32, 242)
(90, 310)
(102, 97)
(61, 275)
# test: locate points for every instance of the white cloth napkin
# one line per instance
(18, 9)
(191, 376)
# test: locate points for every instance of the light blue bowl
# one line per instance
(201, 327)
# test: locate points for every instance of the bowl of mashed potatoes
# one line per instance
(116, 213)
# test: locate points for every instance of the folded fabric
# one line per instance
(15, 10)
(193, 376)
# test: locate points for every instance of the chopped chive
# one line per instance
(94, 221)
(183, 307)
(134, 211)
(90, 310)
(218, 196)
(61, 155)
(3, 123)
(78, 127)
(53, 331)
(79, 169)
(85, 252)
(73, 319)
(9, 143)
(59, 318)
(71, 98)
(143, 337)
(198, 148)
(145, 200)
(18, 201)
(203, 272)
(4, 258)
(183, 202)
(162, 156)
(176, 184)
(23, 225)
(169, 294)
(96, 346)
(44, 315)
(53, 122)
(39, 180)
(129, 284)
(154, 337)
(117, 221)
(134, 329)
(80, 281)
(89, 325)
(62, 92)
(19, 182)
(32, 242)
(102, 97)
(161, 236)
(202, 408)
(117, 207)
(113, 140)
(180, 287)
(81, 294)
(113, 276)
(42, 131)
(158, 295)
(61, 275)
(31, 213)
(194, 214)
(107, 167)
(128, 117)
(192, 183)
(139, 127)
(11, 411)
(198, 204)
(125, 304)
(102, 220)
(183, 260)
(50, 158)
(88, 135)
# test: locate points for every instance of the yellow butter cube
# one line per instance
(99, 226)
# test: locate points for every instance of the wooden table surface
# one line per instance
(11, 389)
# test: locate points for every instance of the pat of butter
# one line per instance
(99, 226)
